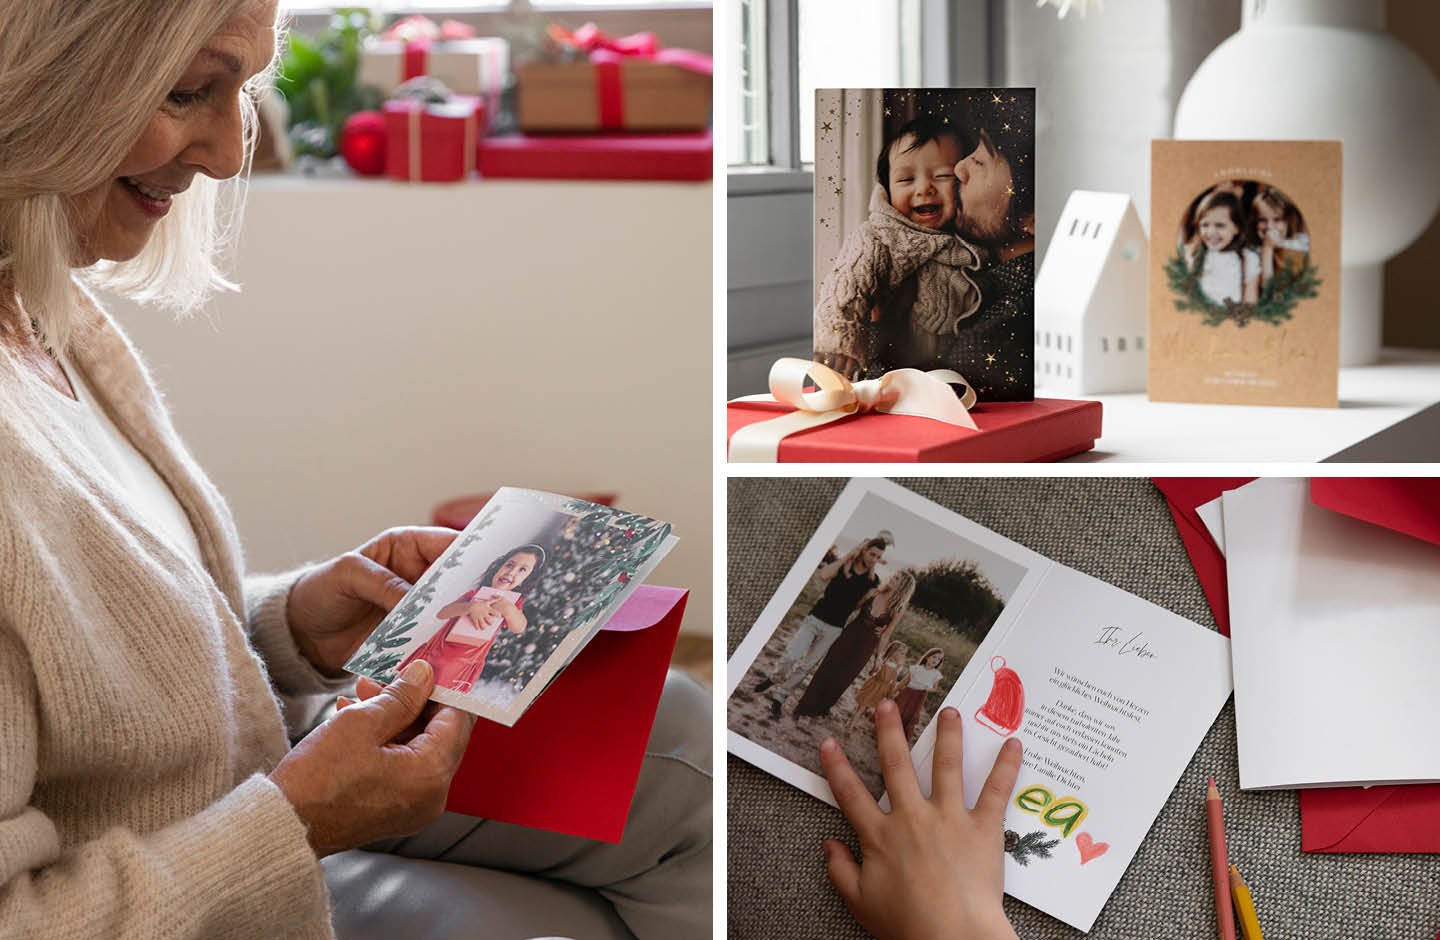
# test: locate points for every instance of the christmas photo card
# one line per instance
(1245, 272)
(925, 234)
(514, 598)
(896, 597)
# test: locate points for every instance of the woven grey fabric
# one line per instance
(1119, 530)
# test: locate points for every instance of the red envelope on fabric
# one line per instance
(1183, 494)
(1391, 818)
(1405, 504)
(571, 762)
(1388, 818)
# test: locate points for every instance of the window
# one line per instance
(788, 48)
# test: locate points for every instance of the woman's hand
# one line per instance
(335, 606)
(378, 768)
(933, 869)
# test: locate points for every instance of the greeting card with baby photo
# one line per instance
(514, 598)
(925, 234)
(1245, 272)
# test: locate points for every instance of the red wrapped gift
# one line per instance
(1013, 431)
(904, 416)
(599, 156)
(433, 143)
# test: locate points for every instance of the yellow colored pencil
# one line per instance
(1244, 906)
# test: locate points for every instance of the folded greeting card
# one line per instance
(1245, 272)
(925, 234)
(1335, 625)
(895, 597)
(514, 598)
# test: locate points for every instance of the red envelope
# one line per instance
(571, 762)
(1387, 818)
(1405, 504)
(1183, 494)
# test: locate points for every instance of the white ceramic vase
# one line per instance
(1325, 70)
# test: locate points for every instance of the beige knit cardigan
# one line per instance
(137, 715)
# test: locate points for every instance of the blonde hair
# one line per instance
(901, 587)
(79, 82)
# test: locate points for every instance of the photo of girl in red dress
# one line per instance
(473, 620)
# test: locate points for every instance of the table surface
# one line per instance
(1372, 398)
(1119, 530)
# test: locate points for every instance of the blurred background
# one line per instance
(397, 345)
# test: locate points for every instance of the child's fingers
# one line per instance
(844, 872)
(850, 794)
(895, 763)
(996, 792)
(947, 785)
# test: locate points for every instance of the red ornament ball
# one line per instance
(362, 142)
(624, 579)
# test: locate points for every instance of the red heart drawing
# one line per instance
(1089, 848)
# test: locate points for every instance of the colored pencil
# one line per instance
(1244, 906)
(1219, 863)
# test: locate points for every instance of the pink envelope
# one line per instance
(570, 763)
(1387, 818)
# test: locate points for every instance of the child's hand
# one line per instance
(933, 869)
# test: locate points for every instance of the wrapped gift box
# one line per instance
(614, 93)
(599, 156)
(466, 66)
(1040, 430)
(433, 143)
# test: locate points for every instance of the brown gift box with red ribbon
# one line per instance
(621, 84)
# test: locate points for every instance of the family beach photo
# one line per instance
(895, 610)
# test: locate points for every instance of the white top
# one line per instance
(923, 678)
(131, 472)
(1221, 280)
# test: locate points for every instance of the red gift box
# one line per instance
(1039, 430)
(599, 156)
(433, 143)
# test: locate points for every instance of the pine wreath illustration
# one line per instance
(1032, 844)
(380, 654)
(1276, 303)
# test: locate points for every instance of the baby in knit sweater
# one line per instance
(904, 271)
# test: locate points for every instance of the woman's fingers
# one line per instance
(367, 688)
(895, 763)
(996, 792)
(947, 784)
(850, 794)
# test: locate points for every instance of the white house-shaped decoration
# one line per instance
(1090, 299)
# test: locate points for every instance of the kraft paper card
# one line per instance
(1244, 295)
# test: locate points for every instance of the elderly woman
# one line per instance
(147, 787)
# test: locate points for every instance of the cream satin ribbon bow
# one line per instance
(901, 392)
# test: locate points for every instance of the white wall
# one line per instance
(396, 346)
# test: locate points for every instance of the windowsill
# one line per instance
(761, 180)
(291, 182)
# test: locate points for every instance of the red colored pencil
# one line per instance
(1219, 863)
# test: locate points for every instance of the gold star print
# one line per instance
(996, 99)
(1012, 99)
(1009, 191)
(887, 112)
(989, 357)
(947, 120)
(837, 190)
(1007, 127)
(825, 126)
